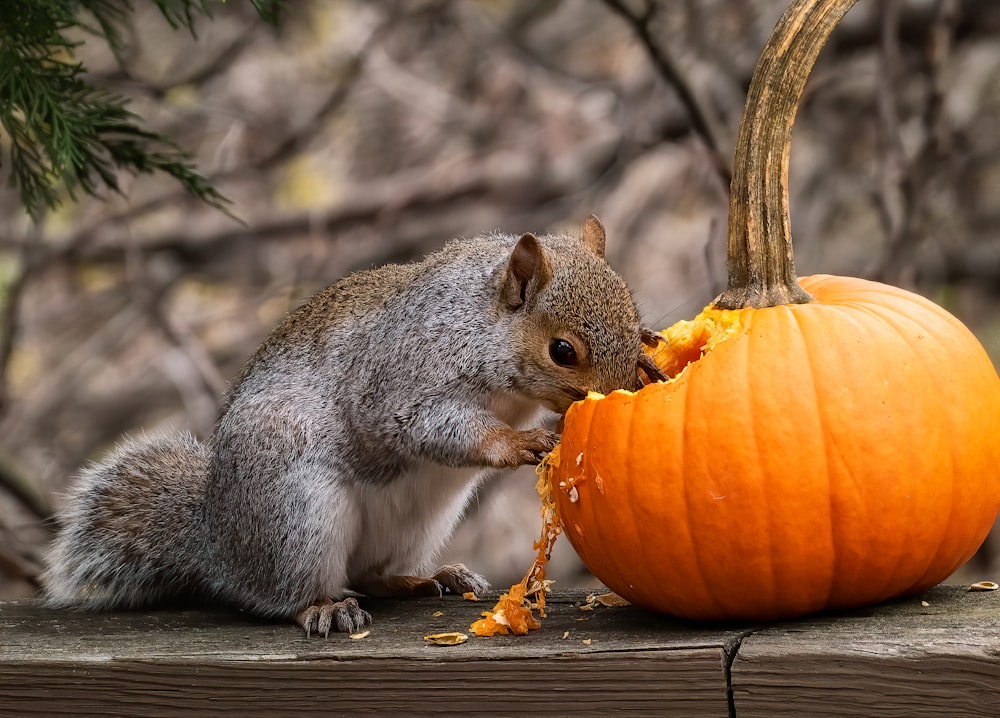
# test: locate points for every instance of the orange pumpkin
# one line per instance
(820, 455)
(819, 446)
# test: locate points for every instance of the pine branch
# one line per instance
(183, 13)
(63, 134)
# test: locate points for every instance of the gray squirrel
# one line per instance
(349, 446)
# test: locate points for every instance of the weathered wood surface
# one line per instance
(907, 659)
(902, 658)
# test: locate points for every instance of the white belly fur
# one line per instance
(406, 523)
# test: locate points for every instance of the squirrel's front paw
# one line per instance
(347, 616)
(510, 448)
(534, 444)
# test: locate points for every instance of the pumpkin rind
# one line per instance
(824, 455)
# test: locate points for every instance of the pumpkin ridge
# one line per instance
(634, 502)
(588, 505)
(932, 333)
(707, 586)
(828, 445)
(858, 487)
(946, 529)
(931, 330)
(902, 303)
(876, 582)
(887, 315)
(902, 324)
(890, 584)
(609, 535)
(752, 420)
(886, 296)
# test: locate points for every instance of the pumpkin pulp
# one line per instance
(689, 340)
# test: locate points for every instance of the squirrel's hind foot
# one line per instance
(457, 579)
(346, 616)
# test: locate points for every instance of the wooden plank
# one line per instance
(159, 663)
(899, 659)
(902, 658)
(687, 682)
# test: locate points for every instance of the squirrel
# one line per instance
(348, 448)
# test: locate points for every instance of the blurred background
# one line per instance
(360, 133)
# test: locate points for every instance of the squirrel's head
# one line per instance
(577, 325)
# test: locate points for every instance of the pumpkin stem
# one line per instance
(760, 264)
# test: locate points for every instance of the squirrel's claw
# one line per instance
(308, 618)
(650, 338)
(652, 372)
(648, 371)
(346, 615)
(350, 617)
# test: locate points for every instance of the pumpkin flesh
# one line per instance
(802, 457)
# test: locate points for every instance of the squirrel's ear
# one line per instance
(593, 236)
(528, 271)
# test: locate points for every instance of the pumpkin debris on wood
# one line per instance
(513, 612)
(446, 639)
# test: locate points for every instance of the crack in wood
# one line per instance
(732, 648)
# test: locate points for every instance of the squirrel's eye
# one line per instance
(562, 353)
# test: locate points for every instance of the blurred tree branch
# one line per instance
(903, 180)
(417, 190)
(9, 313)
(641, 23)
(18, 568)
(221, 59)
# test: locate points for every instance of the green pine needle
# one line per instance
(62, 135)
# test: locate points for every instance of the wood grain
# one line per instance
(159, 663)
(900, 658)
(688, 682)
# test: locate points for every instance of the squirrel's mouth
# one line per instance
(566, 398)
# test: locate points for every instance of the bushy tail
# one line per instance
(130, 531)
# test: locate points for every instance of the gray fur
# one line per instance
(351, 443)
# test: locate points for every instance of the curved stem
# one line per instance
(761, 268)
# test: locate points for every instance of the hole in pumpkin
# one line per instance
(689, 340)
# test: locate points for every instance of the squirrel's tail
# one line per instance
(130, 530)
